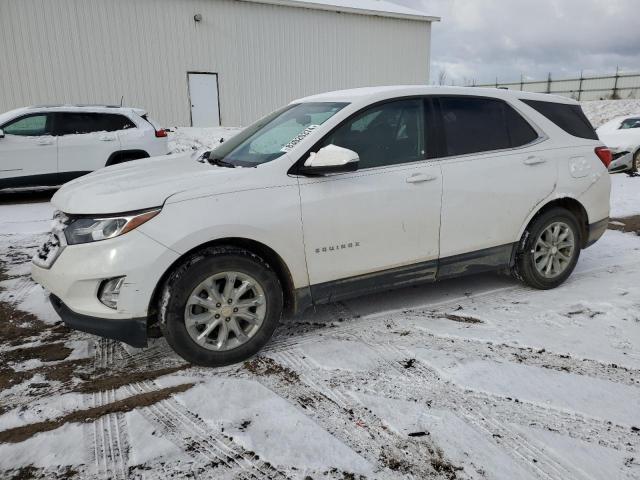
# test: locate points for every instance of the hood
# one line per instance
(628, 139)
(142, 184)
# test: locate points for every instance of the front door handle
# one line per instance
(45, 141)
(533, 160)
(420, 177)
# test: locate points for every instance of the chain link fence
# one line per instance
(607, 87)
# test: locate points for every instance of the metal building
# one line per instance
(204, 62)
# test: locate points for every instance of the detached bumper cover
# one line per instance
(596, 230)
(132, 331)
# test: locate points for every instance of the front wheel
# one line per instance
(221, 306)
(551, 249)
(635, 164)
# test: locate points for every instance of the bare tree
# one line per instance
(442, 77)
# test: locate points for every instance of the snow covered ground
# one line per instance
(478, 378)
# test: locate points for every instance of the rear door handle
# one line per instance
(107, 138)
(533, 160)
(420, 177)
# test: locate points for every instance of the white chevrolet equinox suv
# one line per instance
(332, 196)
(50, 145)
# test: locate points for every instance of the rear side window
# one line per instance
(569, 118)
(474, 125)
(69, 123)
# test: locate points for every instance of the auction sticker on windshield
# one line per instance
(298, 138)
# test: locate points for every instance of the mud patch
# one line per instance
(49, 352)
(626, 224)
(120, 379)
(30, 472)
(17, 327)
(461, 318)
(22, 433)
(264, 366)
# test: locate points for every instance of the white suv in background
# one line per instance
(332, 196)
(50, 145)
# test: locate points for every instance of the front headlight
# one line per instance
(93, 229)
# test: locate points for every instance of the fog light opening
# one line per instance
(109, 291)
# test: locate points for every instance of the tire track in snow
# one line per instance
(525, 452)
(109, 452)
(197, 439)
(351, 423)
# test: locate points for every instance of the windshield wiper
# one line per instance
(220, 162)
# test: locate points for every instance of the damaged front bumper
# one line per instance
(132, 331)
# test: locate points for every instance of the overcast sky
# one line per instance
(481, 39)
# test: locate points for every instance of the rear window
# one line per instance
(569, 118)
(475, 125)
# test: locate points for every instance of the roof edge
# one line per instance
(337, 8)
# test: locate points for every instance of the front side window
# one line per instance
(387, 134)
(475, 125)
(275, 134)
(31, 126)
(630, 123)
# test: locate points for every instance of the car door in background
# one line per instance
(377, 226)
(28, 152)
(495, 171)
(86, 141)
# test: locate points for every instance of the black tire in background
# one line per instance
(192, 273)
(525, 260)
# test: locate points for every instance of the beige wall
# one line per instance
(95, 51)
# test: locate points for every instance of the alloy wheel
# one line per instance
(553, 249)
(225, 311)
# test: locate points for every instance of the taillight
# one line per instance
(161, 133)
(605, 155)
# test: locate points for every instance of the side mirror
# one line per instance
(331, 159)
(1, 133)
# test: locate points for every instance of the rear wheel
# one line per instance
(221, 306)
(551, 249)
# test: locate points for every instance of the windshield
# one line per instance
(274, 135)
(630, 123)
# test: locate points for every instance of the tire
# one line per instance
(206, 275)
(635, 164)
(531, 251)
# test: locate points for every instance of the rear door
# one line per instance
(495, 172)
(86, 141)
(376, 227)
(28, 152)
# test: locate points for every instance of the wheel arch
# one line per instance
(568, 203)
(118, 156)
(273, 259)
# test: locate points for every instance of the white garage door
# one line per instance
(203, 94)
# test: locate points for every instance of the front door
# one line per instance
(203, 95)
(28, 152)
(378, 226)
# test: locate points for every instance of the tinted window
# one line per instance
(473, 125)
(569, 118)
(85, 122)
(385, 134)
(630, 123)
(31, 126)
